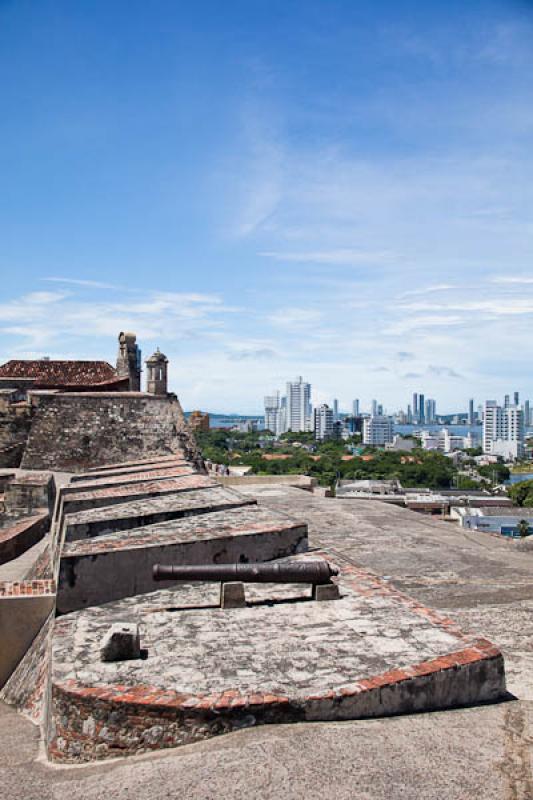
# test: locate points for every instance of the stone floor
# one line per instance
(292, 646)
(485, 584)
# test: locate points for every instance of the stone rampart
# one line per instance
(74, 431)
(22, 534)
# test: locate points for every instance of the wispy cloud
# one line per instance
(80, 282)
(345, 256)
(446, 372)
(295, 317)
(513, 280)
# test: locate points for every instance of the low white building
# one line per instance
(446, 442)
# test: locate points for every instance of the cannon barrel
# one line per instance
(313, 571)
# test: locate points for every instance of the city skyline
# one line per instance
(343, 192)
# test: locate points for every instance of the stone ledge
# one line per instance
(117, 720)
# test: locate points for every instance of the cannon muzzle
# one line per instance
(313, 571)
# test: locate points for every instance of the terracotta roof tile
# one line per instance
(60, 373)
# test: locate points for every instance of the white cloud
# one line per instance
(80, 282)
(294, 317)
(340, 256)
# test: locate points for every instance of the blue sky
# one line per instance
(264, 189)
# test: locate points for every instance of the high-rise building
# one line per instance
(374, 410)
(421, 408)
(517, 398)
(355, 408)
(430, 410)
(503, 430)
(415, 407)
(471, 411)
(335, 410)
(506, 401)
(272, 413)
(409, 415)
(378, 431)
(298, 406)
(527, 414)
(323, 422)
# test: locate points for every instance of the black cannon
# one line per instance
(313, 571)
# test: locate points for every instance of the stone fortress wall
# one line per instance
(71, 415)
(75, 431)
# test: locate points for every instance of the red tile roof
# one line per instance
(60, 373)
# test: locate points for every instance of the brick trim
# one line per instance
(27, 588)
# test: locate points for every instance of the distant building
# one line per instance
(471, 412)
(199, 421)
(505, 520)
(323, 422)
(378, 431)
(421, 408)
(355, 408)
(503, 430)
(401, 444)
(298, 412)
(273, 414)
(430, 411)
(335, 410)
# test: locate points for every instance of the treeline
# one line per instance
(417, 468)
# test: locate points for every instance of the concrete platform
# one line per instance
(99, 497)
(100, 521)
(107, 481)
(119, 564)
(139, 462)
(482, 751)
(283, 658)
(123, 469)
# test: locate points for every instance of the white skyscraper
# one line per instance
(323, 422)
(272, 413)
(503, 430)
(298, 406)
(378, 431)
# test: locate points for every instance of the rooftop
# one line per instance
(59, 373)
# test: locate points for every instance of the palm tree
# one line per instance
(523, 528)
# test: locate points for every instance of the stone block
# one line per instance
(232, 595)
(121, 642)
(325, 591)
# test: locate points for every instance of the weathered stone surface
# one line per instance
(121, 642)
(283, 658)
(125, 516)
(99, 498)
(478, 752)
(76, 430)
(117, 565)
